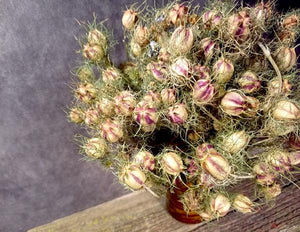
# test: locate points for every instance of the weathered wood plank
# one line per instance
(140, 211)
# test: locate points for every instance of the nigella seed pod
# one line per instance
(274, 87)
(141, 35)
(129, 18)
(96, 37)
(287, 36)
(171, 163)
(208, 46)
(216, 165)
(285, 58)
(220, 205)
(133, 176)
(180, 68)
(204, 150)
(86, 92)
(158, 71)
(152, 97)
(168, 96)
(182, 40)
(178, 13)
(253, 106)
(279, 160)
(206, 215)
(263, 11)
(223, 70)
(91, 117)
(178, 114)
(146, 115)
(124, 103)
(95, 148)
(111, 131)
(264, 176)
(243, 204)
(211, 19)
(76, 115)
(135, 48)
(93, 52)
(295, 157)
(290, 22)
(200, 72)
(105, 106)
(271, 191)
(206, 180)
(110, 75)
(238, 26)
(234, 103)
(285, 110)
(249, 82)
(85, 73)
(145, 160)
(203, 91)
(236, 142)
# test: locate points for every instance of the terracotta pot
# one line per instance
(176, 209)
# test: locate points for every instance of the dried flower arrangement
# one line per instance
(205, 101)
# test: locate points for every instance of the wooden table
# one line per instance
(140, 211)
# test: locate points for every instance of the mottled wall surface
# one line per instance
(41, 175)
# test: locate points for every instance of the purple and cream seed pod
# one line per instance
(124, 103)
(145, 160)
(111, 131)
(93, 52)
(208, 46)
(272, 191)
(253, 106)
(95, 148)
(158, 71)
(86, 92)
(279, 160)
(206, 180)
(264, 176)
(223, 70)
(178, 13)
(295, 157)
(234, 103)
(91, 116)
(171, 163)
(110, 74)
(200, 72)
(133, 176)
(180, 68)
(211, 19)
(238, 26)
(285, 110)
(152, 97)
(204, 150)
(220, 205)
(203, 91)
(181, 41)
(207, 215)
(216, 165)
(146, 115)
(105, 106)
(129, 18)
(285, 58)
(76, 115)
(168, 96)
(178, 114)
(243, 204)
(249, 82)
(96, 37)
(85, 73)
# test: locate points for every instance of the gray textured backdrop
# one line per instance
(41, 176)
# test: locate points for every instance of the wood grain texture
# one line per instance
(140, 211)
